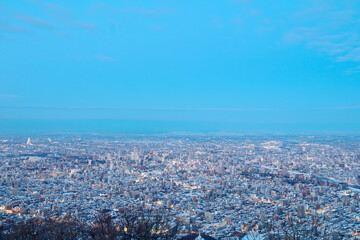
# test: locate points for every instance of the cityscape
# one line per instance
(226, 187)
(179, 120)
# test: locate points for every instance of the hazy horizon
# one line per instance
(101, 126)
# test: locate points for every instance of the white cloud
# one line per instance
(328, 31)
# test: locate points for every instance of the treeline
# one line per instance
(149, 224)
(137, 224)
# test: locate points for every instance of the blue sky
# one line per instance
(231, 61)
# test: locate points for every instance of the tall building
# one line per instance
(301, 211)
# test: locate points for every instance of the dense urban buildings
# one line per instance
(226, 187)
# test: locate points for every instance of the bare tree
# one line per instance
(144, 224)
(104, 227)
(41, 229)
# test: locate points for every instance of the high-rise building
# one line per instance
(301, 211)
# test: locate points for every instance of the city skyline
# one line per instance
(227, 187)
